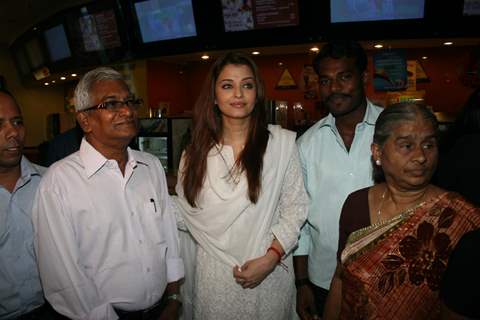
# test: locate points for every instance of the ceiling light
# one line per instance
(63, 78)
(46, 83)
(280, 64)
(205, 57)
(53, 81)
(448, 43)
(314, 49)
(73, 74)
(255, 53)
(378, 46)
(424, 57)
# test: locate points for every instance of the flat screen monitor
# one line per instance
(35, 53)
(374, 10)
(99, 30)
(471, 7)
(260, 14)
(57, 43)
(165, 19)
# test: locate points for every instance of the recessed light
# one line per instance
(73, 74)
(314, 49)
(46, 83)
(205, 57)
(280, 64)
(424, 58)
(53, 81)
(255, 53)
(63, 78)
(448, 43)
(378, 46)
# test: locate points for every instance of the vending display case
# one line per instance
(165, 138)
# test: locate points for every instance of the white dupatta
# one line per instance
(225, 223)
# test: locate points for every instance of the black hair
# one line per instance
(342, 49)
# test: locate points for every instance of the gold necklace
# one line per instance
(379, 212)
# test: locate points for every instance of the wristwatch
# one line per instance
(176, 297)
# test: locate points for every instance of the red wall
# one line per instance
(445, 92)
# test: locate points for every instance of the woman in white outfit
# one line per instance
(242, 198)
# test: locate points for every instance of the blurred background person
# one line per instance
(396, 237)
(459, 289)
(459, 166)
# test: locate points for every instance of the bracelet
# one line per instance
(277, 252)
(272, 248)
(302, 282)
(176, 297)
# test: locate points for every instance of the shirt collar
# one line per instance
(369, 117)
(94, 160)
(27, 171)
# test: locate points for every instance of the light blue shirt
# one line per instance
(20, 289)
(331, 173)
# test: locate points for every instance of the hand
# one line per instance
(171, 311)
(306, 309)
(252, 273)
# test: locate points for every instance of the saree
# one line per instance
(393, 269)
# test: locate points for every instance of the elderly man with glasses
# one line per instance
(106, 237)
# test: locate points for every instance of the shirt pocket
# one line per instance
(152, 220)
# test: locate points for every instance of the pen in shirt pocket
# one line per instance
(152, 201)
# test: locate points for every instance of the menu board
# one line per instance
(99, 31)
(245, 15)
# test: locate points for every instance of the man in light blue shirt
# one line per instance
(20, 290)
(335, 155)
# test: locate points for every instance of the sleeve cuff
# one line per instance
(303, 243)
(175, 269)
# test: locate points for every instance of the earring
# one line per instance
(377, 162)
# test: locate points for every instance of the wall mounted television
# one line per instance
(159, 20)
(244, 15)
(57, 43)
(374, 10)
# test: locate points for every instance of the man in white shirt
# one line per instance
(106, 236)
(335, 156)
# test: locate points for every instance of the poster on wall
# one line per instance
(390, 70)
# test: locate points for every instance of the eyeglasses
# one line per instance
(116, 105)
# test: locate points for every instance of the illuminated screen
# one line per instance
(243, 15)
(374, 10)
(57, 43)
(165, 20)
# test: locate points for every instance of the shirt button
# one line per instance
(140, 241)
(148, 269)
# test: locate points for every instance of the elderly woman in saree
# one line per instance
(396, 236)
(242, 198)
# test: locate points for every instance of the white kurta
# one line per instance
(230, 230)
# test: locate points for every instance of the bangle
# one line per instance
(175, 297)
(279, 255)
(277, 252)
(302, 282)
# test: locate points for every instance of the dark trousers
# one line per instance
(148, 314)
(45, 312)
(320, 298)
